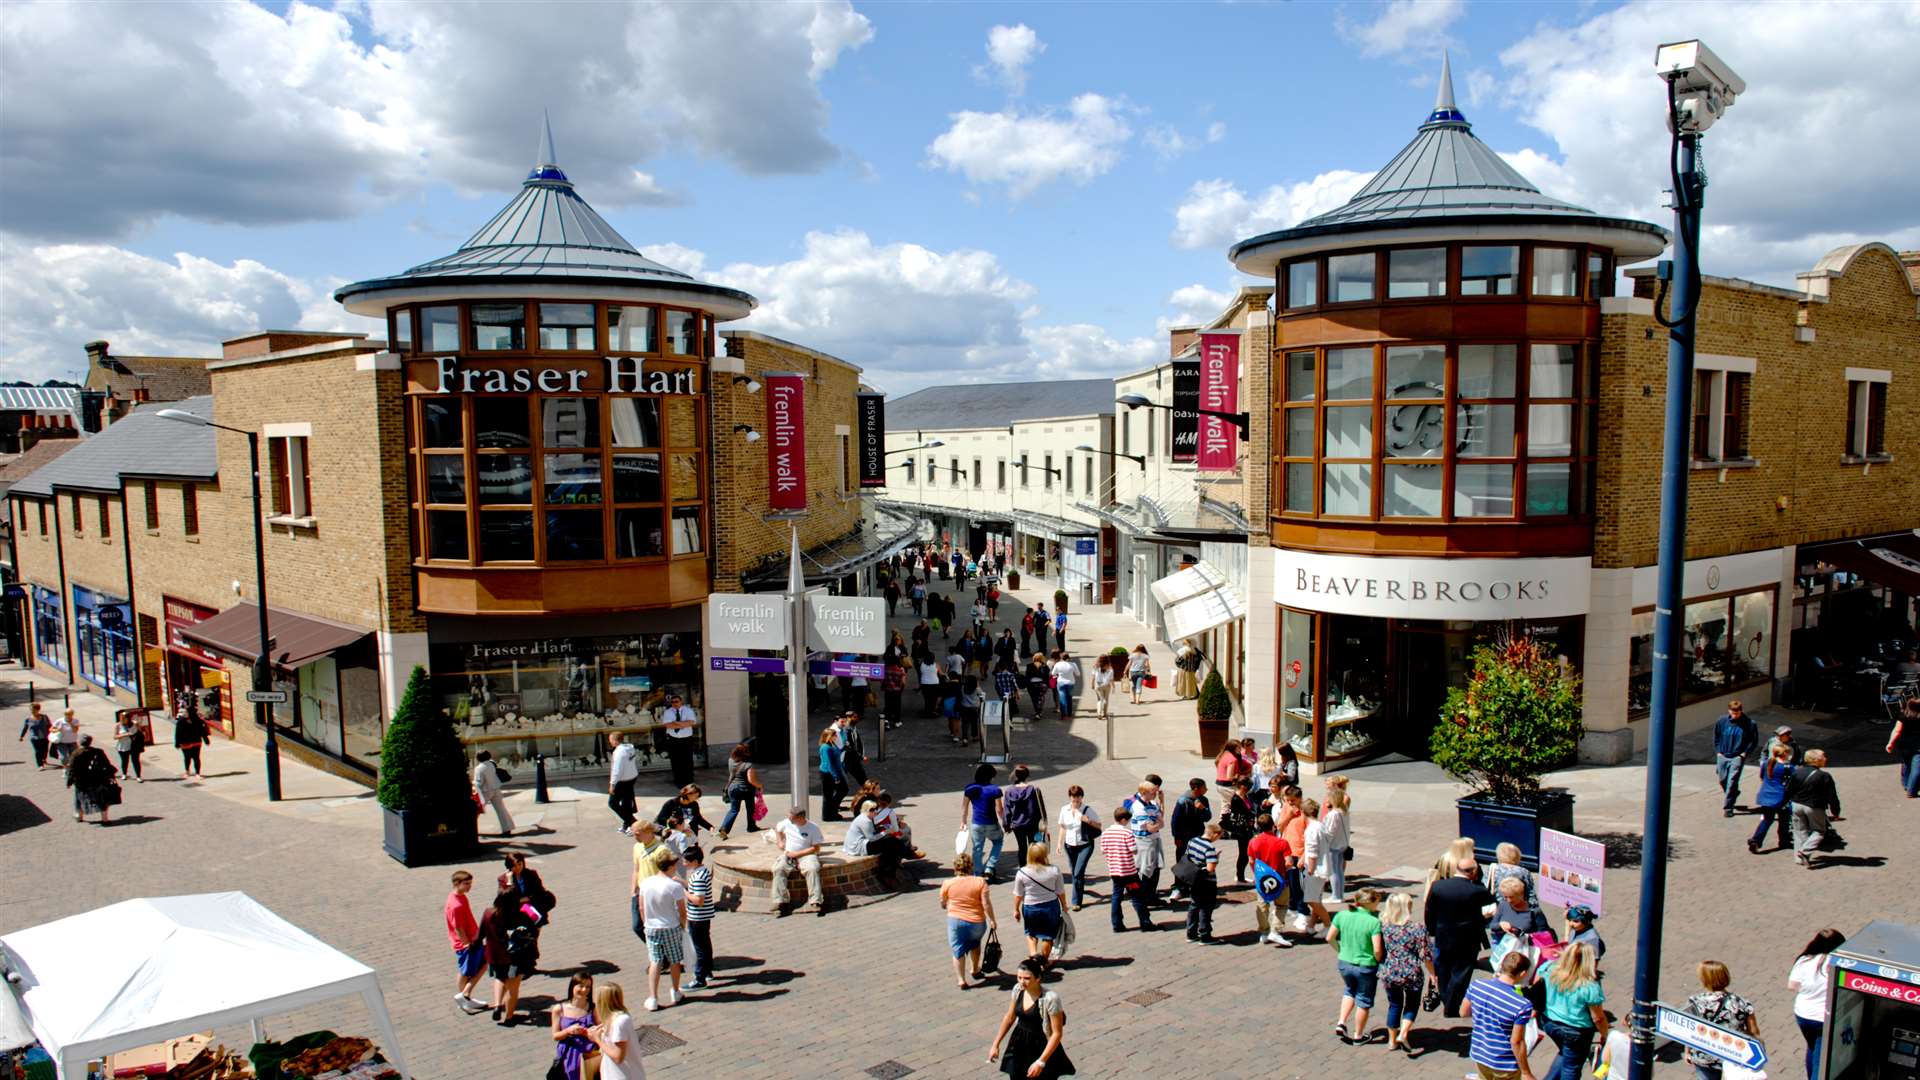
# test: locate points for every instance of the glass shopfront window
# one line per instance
(1297, 680)
(49, 628)
(103, 640)
(561, 697)
(1354, 685)
(1726, 645)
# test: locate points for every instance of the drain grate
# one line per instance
(1148, 997)
(654, 1040)
(889, 1070)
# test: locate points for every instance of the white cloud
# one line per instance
(59, 295)
(1194, 304)
(1817, 152)
(677, 257)
(1010, 50)
(1217, 213)
(231, 113)
(1403, 26)
(1167, 141)
(1028, 150)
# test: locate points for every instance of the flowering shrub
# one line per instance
(1517, 717)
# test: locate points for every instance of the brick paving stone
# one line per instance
(834, 997)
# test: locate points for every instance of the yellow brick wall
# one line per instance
(1800, 491)
(742, 540)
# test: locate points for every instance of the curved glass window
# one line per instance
(1489, 271)
(1416, 272)
(1350, 278)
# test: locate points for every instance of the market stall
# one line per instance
(143, 971)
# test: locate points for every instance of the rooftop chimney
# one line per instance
(96, 353)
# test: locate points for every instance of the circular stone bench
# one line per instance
(743, 874)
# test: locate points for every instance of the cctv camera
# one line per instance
(1703, 85)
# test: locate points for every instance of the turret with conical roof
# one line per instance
(1444, 184)
(546, 236)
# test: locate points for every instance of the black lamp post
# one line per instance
(262, 665)
(1240, 420)
(910, 449)
(1137, 459)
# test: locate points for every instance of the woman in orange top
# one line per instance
(1291, 823)
(969, 908)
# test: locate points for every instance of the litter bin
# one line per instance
(1086, 594)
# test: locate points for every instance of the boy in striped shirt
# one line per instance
(1123, 872)
(1203, 859)
(700, 915)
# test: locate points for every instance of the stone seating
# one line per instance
(743, 873)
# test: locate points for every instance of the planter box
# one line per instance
(1213, 735)
(1491, 824)
(414, 838)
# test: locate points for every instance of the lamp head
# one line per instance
(1084, 448)
(752, 385)
(747, 429)
(185, 417)
(932, 445)
(1133, 401)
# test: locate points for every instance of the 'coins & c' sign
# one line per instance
(1219, 393)
(786, 441)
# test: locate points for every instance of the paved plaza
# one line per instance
(857, 991)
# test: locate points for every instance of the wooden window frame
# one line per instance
(190, 509)
(150, 492)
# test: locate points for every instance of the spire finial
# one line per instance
(1444, 109)
(546, 163)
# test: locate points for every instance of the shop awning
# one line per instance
(1196, 599)
(296, 638)
(1893, 561)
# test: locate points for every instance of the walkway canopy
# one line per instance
(143, 971)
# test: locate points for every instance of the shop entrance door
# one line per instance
(1423, 669)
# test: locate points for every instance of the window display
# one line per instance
(562, 696)
(1726, 645)
(1356, 659)
(1296, 680)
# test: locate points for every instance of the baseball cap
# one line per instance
(1783, 729)
(1581, 913)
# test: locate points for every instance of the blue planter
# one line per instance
(420, 838)
(1491, 823)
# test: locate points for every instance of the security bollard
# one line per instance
(540, 778)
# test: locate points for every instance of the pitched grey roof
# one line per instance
(974, 405)
(546, 232)
(139, 444)
(1445, 175)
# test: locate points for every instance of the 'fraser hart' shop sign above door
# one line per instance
(624, 375)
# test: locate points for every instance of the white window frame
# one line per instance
(1859, 380)
(1718, 367)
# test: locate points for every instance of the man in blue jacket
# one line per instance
(1735, 738)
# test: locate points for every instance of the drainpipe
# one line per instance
(60, 559)
(133, 609)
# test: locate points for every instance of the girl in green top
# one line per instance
(1574, 1009)
(1356, 934)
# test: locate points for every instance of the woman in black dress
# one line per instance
(1038, 1023)
(90, 775)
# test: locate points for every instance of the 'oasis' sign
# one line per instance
(624, 375)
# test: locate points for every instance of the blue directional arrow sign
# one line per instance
(1724, 1043)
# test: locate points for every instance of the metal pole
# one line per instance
(1669, 604)
(263, 669)
(797, 746)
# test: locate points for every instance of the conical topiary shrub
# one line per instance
(1213, 703)
(423, 768)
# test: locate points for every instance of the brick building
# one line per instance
(529, 489)
(1461, 424)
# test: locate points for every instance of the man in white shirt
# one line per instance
(620, 781)
(679, 723)
(800, 843)
(663, 902)
(486, 782)
(1066, 674)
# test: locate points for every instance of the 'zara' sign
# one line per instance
(625, 375)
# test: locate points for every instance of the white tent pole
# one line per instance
(259, 1034)
(390, 1039)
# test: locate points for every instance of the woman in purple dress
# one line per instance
(573, 1021)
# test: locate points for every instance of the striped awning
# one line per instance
(1196, 599)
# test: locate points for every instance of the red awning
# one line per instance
(1893, 560)
(296, 638)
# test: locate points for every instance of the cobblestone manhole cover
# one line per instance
(653, 1040)
(888, 1070)
(1148, 997)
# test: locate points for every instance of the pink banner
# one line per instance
(786, 441)
(1571, 869)
(1219, 393)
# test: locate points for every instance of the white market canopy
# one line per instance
(1196, 599)
(146, 970)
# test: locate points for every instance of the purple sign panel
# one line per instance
(848, 669)
(752, 665)
(1571, 868)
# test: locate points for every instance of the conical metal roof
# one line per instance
(1445, 176)
(547, 233)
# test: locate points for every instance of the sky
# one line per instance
(935, 192)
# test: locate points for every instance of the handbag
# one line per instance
(502, 775)
(1430, 1001)
(111, 795)
(557, 1071)
(1346, 853)
(990, 952)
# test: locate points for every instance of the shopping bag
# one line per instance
(961, 842)
(759, 806)
(1151, 682)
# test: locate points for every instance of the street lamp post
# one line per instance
(262, 665)
(1699, 88)
(1240, 420)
